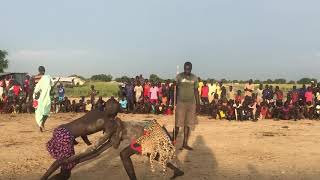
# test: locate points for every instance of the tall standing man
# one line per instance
(187, 103)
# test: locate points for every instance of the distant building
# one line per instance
(70, 81)
(19, 77)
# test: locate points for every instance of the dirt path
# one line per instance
(223, 150)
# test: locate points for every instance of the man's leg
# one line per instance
(186, 139)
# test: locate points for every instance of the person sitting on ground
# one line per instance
(230, 110)
(214, 106)
(88, 106)
(73, 107)
(100, 105)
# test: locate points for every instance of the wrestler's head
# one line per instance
(112, 107)
(187, 68)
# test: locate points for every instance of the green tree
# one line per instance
(224, 81)
(291, 82)
(123, 79)
(268, 81)
(155, 78)
(280, 81)
(4, 63)
(256, 81)
(102, 77)
(304, 81)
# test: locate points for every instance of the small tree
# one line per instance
(256, 81)
(280, 81)
(291, 82)
(102, 77)
(4, 63)
(154, 78)
(304, 81)
(123, 79)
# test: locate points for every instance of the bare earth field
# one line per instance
(265, 149)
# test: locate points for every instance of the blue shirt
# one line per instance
(123, 103)
(61, 92)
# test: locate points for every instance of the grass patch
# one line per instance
(106, 89)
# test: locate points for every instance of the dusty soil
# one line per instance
(265, 149)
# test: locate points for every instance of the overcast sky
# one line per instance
(233, 39)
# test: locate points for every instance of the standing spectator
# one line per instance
(200, 85)
(2, 88)
(160, 92)
(172, 93)
(302, 92)
(205, 93)
(61, 94)
(141, 79)
(231, 94)
(16, 89)
(259, 93)
(187, 103)
(279, 94)
(294, 95)
(93, 95)
(8, 82)
(212, 90)
(309, 95)
(154, 94)
(219, 89)
(129, 94)
(26, 86)
(248, 88)
(146, 89)
(138, 90)
(166, 90)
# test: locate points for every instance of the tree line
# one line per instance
(155, 78)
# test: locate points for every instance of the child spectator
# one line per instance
(123, 105)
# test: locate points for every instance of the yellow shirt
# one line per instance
(219, 90)
(200, 87)
(212, 89)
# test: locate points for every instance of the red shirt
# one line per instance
(16, 90)
(295, 96)
(26, 85)
(279, 95)
(146, 90)
(238, 98)
(309, 96)
(204, 91)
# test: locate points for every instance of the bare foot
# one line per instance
(186, 147)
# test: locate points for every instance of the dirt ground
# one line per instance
(265, 149)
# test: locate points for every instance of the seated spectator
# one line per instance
(100, 105)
